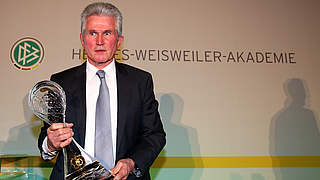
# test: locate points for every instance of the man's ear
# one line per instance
(120, 40)
(81, 39)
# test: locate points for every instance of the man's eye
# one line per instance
(107, 33)
(92, 33)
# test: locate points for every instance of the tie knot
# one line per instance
(101, 74)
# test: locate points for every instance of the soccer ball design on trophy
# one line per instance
(47, 100)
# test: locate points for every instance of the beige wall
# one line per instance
(209, 108)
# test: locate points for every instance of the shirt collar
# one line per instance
(110, 70)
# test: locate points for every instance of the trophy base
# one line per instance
(92, 171)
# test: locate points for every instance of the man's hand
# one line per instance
(122, 169)
(59, 135)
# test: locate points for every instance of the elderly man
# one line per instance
(111, 108)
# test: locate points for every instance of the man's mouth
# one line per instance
(100, 50)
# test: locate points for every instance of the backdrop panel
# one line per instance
(233, 78)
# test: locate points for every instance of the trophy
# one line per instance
(47, 100)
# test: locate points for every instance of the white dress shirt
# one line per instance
(92, 93)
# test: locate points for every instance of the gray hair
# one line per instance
(104, 9)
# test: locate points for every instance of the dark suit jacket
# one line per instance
(140, 133)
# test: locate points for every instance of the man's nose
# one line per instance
(99, 40)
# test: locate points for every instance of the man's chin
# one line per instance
(100, 62)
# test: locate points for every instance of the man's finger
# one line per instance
(122, 168)
(65, 143)
(64, 132)
(56, 126)
(114, 171)
(62, 136)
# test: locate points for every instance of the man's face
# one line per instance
(100, 40)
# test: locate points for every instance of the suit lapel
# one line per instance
(78, 92)
(122, 90)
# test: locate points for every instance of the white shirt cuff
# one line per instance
(46, 153)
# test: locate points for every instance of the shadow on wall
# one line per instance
(182, 140)
(294, 132)
(22, 141)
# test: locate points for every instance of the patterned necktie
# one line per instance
(103, 138)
